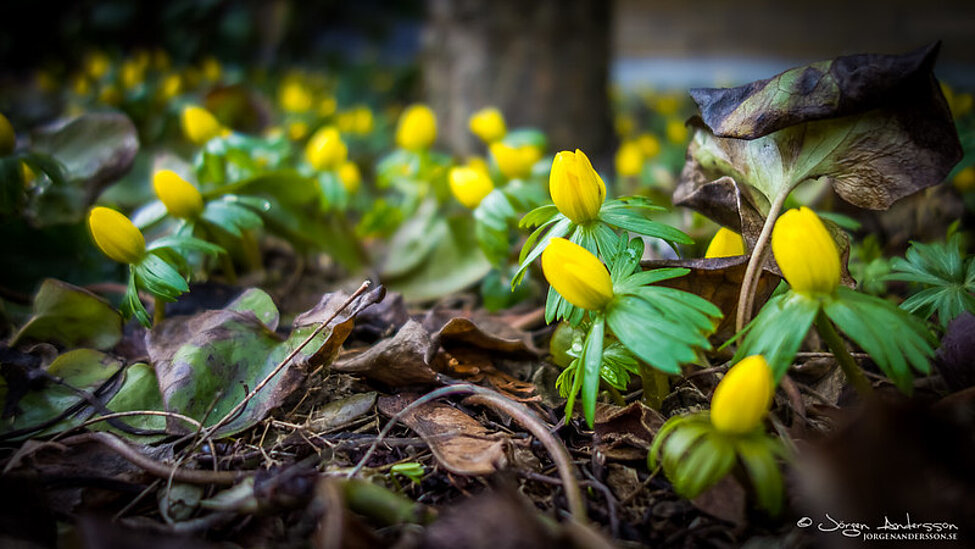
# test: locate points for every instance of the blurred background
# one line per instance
(565, 66)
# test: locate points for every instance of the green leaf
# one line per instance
(559, 229)
(493, 216)
(592, 359)
(131, 305)
(84, 369)
(159, 278)
(947, 280)
(664, 343)
(632, 220)
(759, 458)
(778, 330)
(139, 392)
(72, 317)
(705, 464)
(539, 216)
(894, 340)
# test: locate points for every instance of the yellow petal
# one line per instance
(469, 185)
(726, 243)
(515, 162)
(178, 195)
(743, 397)
(326, 150)
(577, 190)
(805, 252)
(577, 275)
(199, 125)
(116, 236)
(676, 131)
(417, 128)
(488, 124)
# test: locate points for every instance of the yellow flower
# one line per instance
(364, 121)
(80, 85)
(417, 128)
(116, 236)
(469, 185)
(668, 104)
(805, 252)
(576, 188)
(743, 397)
(629, 159)
(132, 74)
(297, 130)
(350, 177)
(625, 125)
(327, 106)
(293, 96)
(8, 140)
(576, 274)
(726, 243)
(515, 162)
(171, 86)
(110, 95)
(28, 174)
(97, 65)
(178, 195)
(199, 125)
(211, 69)
(676, 131)
(478, 163)
(488, 124)
(326, 150)
(649, 144)
(964, 180)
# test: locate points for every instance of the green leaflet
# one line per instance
(778, 330)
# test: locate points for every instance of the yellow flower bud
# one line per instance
(805, 252)
(97, 65)
(132, 74)
(676, 131)
(629, 159)
(178, 195)
(350, 177)
(478, 163)
(171, 86)
(327, 106)
(577, 275)
(199, 125)
(297, 130)
(469, 185)
(576, 188)
(417, 128)
(515, 162)
(743, 397)
(488, 124)
(27, 173)
(625, 124)
(116, 236)
(964, 180)
(211, 69)
(293, 96)
(364, 121)
(8, 140)
(726, 243)
(649, 144)
(326, 150)
(80, 85)
(110, 95)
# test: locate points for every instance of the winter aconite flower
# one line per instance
(417, 128)
(199, 125)
(726, 243)
(350, 177)
(577, 190)
(743, 397)
(180, 197)
(116, 236)
(676, 131)
(293, 96)
(576, 274)
(7, 138)
(515, 162)
(805, 252)
(326, 150)
(469, 185)
(488, 124)
(629, 159)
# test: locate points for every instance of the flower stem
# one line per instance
(746, 299)
(158, 311)
(227, 266)
(656, 386)
(842, 355)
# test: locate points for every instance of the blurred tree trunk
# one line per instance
(544, 63)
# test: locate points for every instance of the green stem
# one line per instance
(656, 386)
(227, 266)
(842, 355)
(158, 311)
(252, 252)
(746, 298)
(614, 394)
